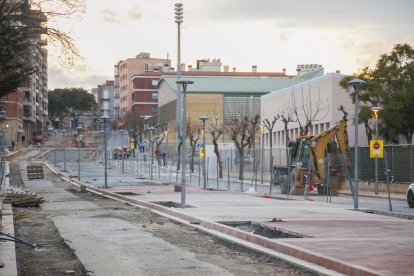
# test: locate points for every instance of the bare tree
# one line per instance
(134, 122)
(286, 119)
(193, 134)
(307, 111)
(216, 130)
(158, 139)
(241, 130)
(269, 125)
(51, 10)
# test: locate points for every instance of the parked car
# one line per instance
(410, 195)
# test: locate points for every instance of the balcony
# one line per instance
(27, 117)
(27, 101)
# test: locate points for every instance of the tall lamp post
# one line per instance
(356, 83)
(204, 118)
(184, 83)
(55, 146)
(104, 118)
(376, 110)
(178, 20)
(122, 149)
(79, 146)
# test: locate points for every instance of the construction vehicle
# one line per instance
(37, 136)
(309, 161)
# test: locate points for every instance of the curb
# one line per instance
(318, 263)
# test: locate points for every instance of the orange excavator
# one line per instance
(309, 156)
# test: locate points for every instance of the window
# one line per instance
(146, 67)
(154, 96)
(154, 108)
(154, 82)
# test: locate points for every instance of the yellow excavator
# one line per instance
(314, 149)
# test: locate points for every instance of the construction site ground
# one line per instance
(323, 238)
(82, 233)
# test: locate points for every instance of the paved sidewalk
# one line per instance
(333, 236)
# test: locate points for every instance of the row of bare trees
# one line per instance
(242, 128)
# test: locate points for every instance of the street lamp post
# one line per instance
(122, 150)
(55, 146)
(376, 110)
(184, 83)
(204, 118)
(79, 147)
(105, 151)
(178, 20)
(262, 152)
(356, 83)
(64, 149)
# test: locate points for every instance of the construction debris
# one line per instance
(21, 198)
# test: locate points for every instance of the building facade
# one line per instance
(26, 109)
(219, 95)
(321, 94)
(124, 71)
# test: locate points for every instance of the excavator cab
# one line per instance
(300, 153)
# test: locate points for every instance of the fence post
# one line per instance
(328, 178)
(387, 175)
(208, 169)
(228, 173)
(411, 162)
(271, 176)
(217, 174)
(199, 172)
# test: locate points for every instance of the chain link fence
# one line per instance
(265, 172)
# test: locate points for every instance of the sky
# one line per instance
(272, 34)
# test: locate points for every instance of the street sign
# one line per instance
(202, 152)
(376, 149)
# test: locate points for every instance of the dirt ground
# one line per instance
(53, 257)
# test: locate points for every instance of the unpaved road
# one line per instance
(53, 256)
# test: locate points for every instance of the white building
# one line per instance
(322, 89)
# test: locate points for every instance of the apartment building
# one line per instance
(124, 71)
(145, 92)
(25, 110)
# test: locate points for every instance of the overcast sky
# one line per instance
(272, 34)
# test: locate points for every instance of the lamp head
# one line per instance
(376, 110)
(204, 118)
(184, 81)
(262, 128)
(356, 82)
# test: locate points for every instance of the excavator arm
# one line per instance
(319, 143)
